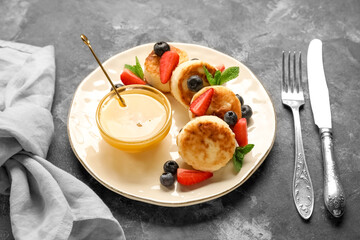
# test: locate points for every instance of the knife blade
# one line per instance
(334, 196)
(318, 90)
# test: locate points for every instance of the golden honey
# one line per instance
(145, 120)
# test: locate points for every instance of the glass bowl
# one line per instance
(144, 122)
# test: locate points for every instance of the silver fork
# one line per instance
(292, 95)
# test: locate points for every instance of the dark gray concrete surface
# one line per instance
(255, 33)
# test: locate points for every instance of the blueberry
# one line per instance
(167, 179)
(246, 112)
(240, 99)
(230, 118)
(195, 83)
(160, 48)
(171, 167)
(117, 85)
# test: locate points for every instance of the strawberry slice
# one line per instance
(200, 105)
(168, 62)
(128, 78)
(189, 177)
(220, 67)
(240, 130)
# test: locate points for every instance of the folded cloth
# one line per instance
(45, 201)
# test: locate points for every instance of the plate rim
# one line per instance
(170, 203)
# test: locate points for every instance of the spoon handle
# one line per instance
(87, 43)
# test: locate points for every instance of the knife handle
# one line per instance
(334, 195)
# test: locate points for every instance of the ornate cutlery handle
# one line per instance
(334, 195)
(303, 191)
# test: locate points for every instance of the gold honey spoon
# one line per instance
(87, 42)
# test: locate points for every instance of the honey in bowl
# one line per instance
(142, 123)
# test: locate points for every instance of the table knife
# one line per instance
(334, 196)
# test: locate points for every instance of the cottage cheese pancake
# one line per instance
(152, 69)
(206, 143)
(222, 101)
(180, 76)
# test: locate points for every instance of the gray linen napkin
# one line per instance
(45, 201)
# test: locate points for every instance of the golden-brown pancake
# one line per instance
(222, 101)
(152, 69)
(180, 76)
(206, 143)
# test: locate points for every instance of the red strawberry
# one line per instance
(240, 130)
(128, 78)
(220, 67)
(200, 105)
(168, 62)
(190, 177)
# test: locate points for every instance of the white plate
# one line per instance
(136, 176)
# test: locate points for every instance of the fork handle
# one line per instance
(334, 195)
(303, 192)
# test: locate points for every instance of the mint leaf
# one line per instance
(246, 149)
(139, 70)
(221, 78)
(131, 68)
(228, 74)
(136, 69)
(217, 77)
(237, 164)
(209, 77)
(239, 155)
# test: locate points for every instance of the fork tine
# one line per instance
(300, 73)
(290, 80)
(295, 79)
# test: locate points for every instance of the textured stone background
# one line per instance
(255, 33)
